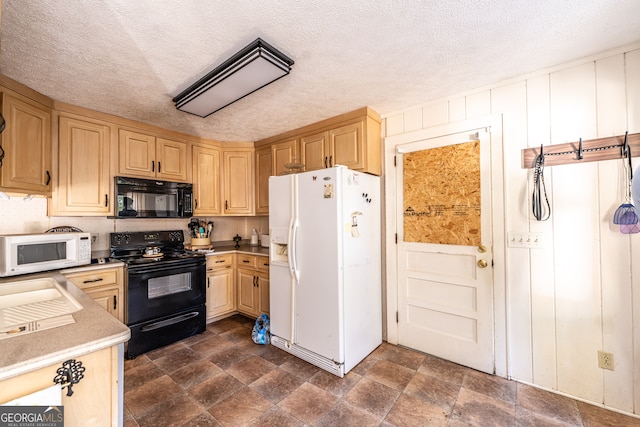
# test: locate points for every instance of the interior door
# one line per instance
(445, 279)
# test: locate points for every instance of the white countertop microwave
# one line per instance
(31, 253)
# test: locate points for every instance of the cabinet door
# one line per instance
(263, 172)
(206, 180)
(137, 153)
(84, 183)
(283, 153)
(107, 297)
(263, 288)
(220, 298)
(247, 292)
(346, 145)
(313, 150)
(171, 160)
(26, 142)
(105, 286)
(238, 182)
(95, 397)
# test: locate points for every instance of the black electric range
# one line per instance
(166, 289)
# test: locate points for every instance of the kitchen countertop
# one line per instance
(110, 263)
(243, 249)
(218, 249)
(94, 329)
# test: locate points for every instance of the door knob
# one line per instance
(482, 249)
(482, 263)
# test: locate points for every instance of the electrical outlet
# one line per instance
(94, 238)
(605, 360)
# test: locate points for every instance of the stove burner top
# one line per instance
(143, 259)
(129, 247)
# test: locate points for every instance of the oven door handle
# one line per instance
(155, 268)
(168, 322)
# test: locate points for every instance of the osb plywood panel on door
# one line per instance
(442, 195)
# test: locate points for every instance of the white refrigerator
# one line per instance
(325, 266)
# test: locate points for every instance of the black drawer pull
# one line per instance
(93, 280)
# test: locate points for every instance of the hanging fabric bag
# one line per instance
(260, 334)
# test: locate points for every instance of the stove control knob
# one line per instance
(117, 239)
(127, 239)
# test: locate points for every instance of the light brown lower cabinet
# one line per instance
(252, 284)
(220, 286)
(237, 283)
(94, 401)
(105, 286)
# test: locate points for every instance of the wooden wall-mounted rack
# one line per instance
(591, 150)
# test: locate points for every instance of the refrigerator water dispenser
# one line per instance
(278, 248)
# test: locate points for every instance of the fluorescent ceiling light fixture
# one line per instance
(255, 66)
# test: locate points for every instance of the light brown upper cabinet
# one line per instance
(206, 180)
(347, 145)
(315, 151)
(271, 160)
(84, 175)
(351, 139)
(238, 184)
(263, 172)
(283, 153)
(147, 156)
(26, 146)
(223, 182)
(352, 145)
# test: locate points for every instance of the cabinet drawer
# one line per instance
(97, 278)
(246, 261)
(219, 261)
(262, 263)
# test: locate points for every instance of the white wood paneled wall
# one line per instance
(580, 293)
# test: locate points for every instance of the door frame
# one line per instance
(494, 123)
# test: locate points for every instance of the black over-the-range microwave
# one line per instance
(150, 198)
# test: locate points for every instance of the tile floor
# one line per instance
(221, 378)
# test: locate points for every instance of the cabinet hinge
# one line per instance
(396, 238)
(397, 317)
(394, 161)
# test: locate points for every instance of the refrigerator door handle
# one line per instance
(291, 253)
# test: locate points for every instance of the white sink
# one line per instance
(33, 305)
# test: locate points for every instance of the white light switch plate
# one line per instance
(526, 240)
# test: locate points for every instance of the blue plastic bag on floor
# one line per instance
(260, 334)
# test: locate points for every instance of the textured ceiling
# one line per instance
(130, 58)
